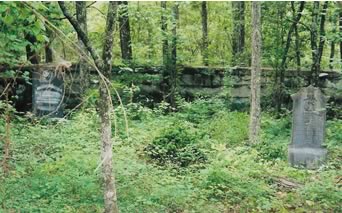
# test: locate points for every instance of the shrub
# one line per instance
(229, 128)
(201, 109)
(177, 146)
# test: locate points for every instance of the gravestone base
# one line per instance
(307, 157)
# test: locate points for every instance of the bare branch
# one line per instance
(83, 36)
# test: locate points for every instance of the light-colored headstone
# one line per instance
(47, 93)
(308, 128)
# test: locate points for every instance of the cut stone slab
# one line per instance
(308, 129)
(47, 93)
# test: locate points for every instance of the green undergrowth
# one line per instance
(55, 165)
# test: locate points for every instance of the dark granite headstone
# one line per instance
(308, 128)
(47, 93)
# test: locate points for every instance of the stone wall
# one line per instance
(193, 81)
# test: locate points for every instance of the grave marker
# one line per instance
(308, 128)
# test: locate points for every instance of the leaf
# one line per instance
(42, 38)
(8, 20)
(3, 8)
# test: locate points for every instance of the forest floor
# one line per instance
(55, 165)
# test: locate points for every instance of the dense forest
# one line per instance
(172, 106)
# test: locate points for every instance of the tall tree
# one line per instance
(204, 15)
(105, 105)
(48, 49)
(317, 49)
(255, 113)
(297, 38)
(239, 29)
(313, 36)
(164, 33)
(169, 82)
(125, 33)
(280, 82)
(31, 54)
(81, 17)
(49, 34)
(334, 21)
(173, 70)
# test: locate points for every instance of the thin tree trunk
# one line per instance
(322, 33)
(81, 16)
(239, 30)
(49, 34)
(297, 39)
(164, 34)
(314, 71)
(280, 85)
(332, 55)
(31, 54)
(105, 109)
(173, 70)
(255, 113)
(105, 105)
(48, 50)
(317, 49)
(125, 33)
(204, 15)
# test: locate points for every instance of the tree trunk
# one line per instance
(105, 105)
(105, 109)
(125, 33)
(81, 16)
(31, 54)
(48, 50)
(255, 113)
(49, 34)
(314, 71)
(173, 68)
(164, 34)
(317, 49)
(322, 33)
(239, 30)
(332, 55)
(297, 38)
(204, 15)
(280, 85)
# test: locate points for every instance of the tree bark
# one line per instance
(31, 54)
(173, 70)
(105, 105)
(332, 55)
(105, 109)
(297, 38)
(255, 113)
(239, 30)
(317, 50)
(280, 84)
(81, 16)
(49, 34)
(164, 34)
(204, 15)
(322, 33)
(314, 71)
(125, 33)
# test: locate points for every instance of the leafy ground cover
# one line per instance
(55, 165)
